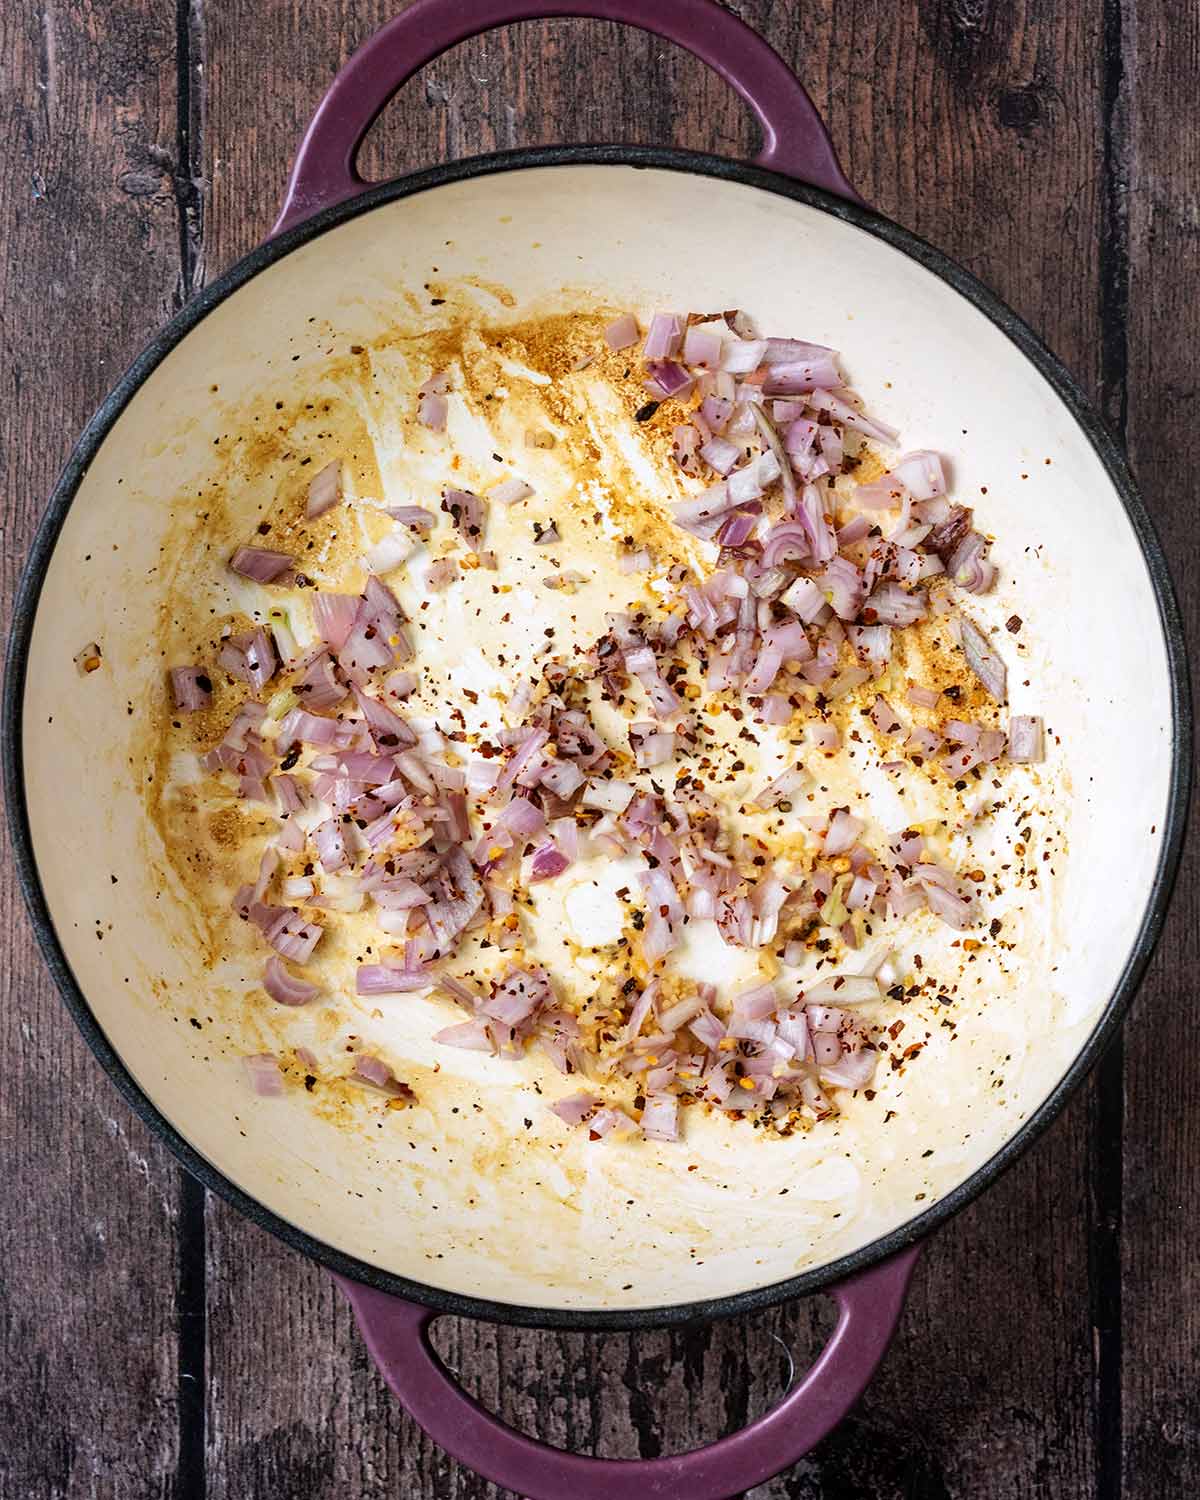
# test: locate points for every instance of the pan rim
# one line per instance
(705, 1309)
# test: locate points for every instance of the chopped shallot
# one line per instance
(262, 1069)
(259, 564)
(191, 687)
(283, 986)
(622, 332)
(325, 490)
(785, 608)
(1026, 738)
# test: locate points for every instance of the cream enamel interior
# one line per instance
(476, 1202)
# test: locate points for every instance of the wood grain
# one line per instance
(1156, 194)
(88, 1249)
(1038, 143)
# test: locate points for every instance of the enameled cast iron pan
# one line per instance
(648, 226)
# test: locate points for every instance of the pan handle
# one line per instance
(397, 1335)
(795, 141)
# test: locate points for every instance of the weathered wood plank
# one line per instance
(91, 263)
(1160, 1418)
(977, 126)
(980, 127)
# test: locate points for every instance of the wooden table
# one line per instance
(156, 1345)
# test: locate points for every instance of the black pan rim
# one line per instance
(702, 1310)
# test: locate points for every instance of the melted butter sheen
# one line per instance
(606, 483)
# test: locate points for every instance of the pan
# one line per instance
(431, 1218)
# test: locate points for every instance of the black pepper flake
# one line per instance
(644, 413)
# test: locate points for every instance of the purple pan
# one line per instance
(796, 166)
